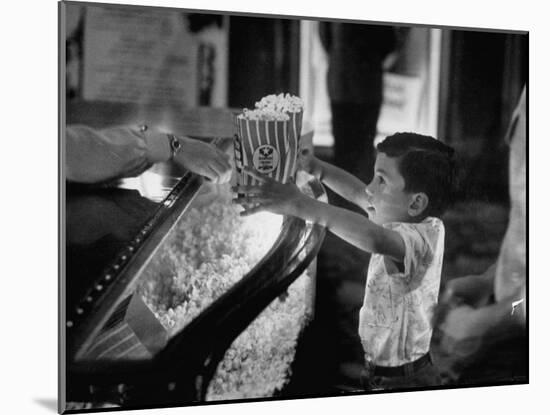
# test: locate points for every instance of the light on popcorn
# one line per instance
(270, 226)
(210, 250)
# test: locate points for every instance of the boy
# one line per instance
(412, 185)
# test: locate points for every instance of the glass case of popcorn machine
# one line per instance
(171, 297)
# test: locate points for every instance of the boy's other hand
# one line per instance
(270, 195)
(468, 292)
(457, 338)
(473, 290)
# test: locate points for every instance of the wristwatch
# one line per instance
(175, 145)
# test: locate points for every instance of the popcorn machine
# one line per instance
(172, 298)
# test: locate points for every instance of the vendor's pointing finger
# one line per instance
(211, 172)
(218, 167)
(226, 177)
(223, 159)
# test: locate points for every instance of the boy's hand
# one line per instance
(271, 196)
(457, 340)
(473, 290)
(309, 163)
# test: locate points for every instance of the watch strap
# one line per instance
(175, 145)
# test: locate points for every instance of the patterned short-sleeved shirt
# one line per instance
(395, 319)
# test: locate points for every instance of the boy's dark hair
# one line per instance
(427, 165)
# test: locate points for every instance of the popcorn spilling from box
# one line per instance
(267, 138)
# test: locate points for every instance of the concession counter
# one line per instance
(170, 297)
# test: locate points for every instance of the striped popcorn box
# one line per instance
(293, 106)
(294, 135)
(237, 147)
(262, 145)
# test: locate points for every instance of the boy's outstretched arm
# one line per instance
(287, 199)
(354, 228)
(340, 181)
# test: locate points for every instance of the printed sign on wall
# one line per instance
(401, 106)
(150, 56)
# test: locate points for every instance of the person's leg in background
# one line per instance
(354, 130)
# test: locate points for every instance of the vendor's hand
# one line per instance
(204, 159)
(309, 163)
(270, 195)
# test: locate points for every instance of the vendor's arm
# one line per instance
(338, 180)
(94, 156)
(286, 199)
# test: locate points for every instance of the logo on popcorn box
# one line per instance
(266, 158)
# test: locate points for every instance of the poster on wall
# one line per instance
(152, 56)
(401, 103)
(411, 84)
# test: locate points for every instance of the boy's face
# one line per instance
(387, 199)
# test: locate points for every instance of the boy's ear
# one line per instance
(419, 203)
